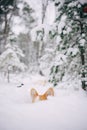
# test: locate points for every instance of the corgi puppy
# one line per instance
(34, 94)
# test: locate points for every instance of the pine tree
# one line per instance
(28, 16)
(10, 60)
(71, 30)
(25, 21)
(7, 11)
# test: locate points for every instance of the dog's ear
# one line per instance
(47, 93)
(50, 91)
(34, 92)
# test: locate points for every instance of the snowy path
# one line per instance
(66, 111)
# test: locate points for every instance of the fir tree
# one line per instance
(10, 60)
(71, 29)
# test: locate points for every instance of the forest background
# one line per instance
(48, 37)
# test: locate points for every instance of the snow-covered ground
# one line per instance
(67, 110)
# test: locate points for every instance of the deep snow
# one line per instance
(67, 110)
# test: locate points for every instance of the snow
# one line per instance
(37, 5)
(59, 59)
(62, 24)
(74, 51)
(34, 32)
(50, 14)
(67, 110)
(82, 42)
(18, 26)
(83, 1)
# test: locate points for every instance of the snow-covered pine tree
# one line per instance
(71, 30)
(10, 60)
(28, 16)
(39, 36)
(28, 20)
(7, 10)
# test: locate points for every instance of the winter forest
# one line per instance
(43, 43)
(53, 46)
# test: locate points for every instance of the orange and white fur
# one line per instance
(34, 94)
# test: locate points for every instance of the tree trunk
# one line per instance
(8, 75)
(82, 52)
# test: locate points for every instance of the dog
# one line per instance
(34, 94)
